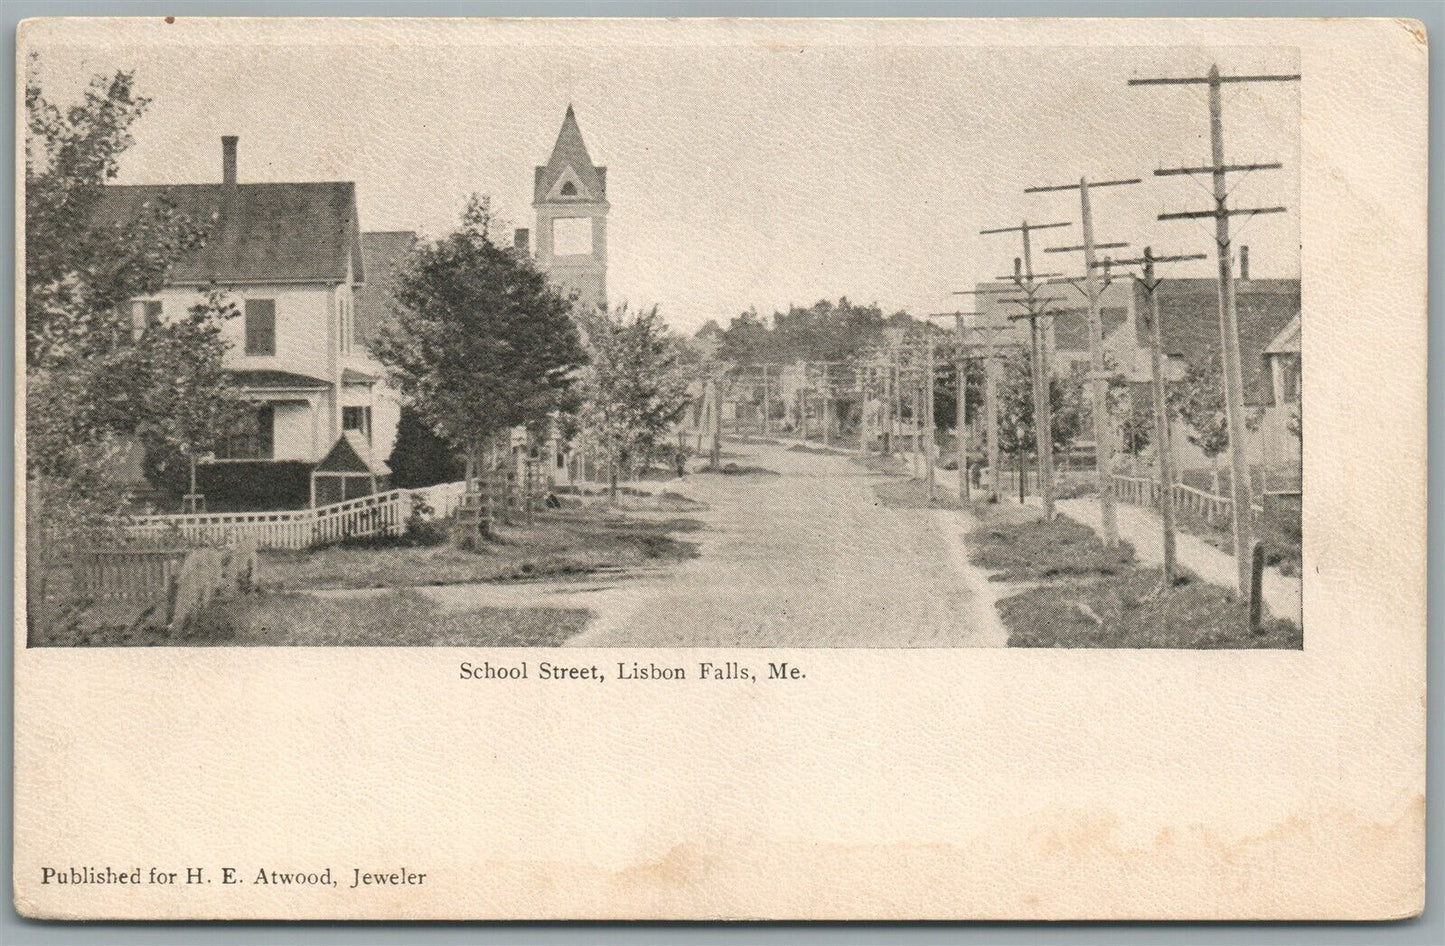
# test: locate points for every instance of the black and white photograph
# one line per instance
(534, 349)
(720, 469)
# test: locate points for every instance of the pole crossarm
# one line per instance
(1160, 259)
(1050, 188)
(1026, 228)
(985, 291)
(1218, 169)
(1240, 487)
(1220, 212)
(1208, 80)
(1078, 249)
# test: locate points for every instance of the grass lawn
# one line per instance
(1078, 593)
(733, 469)
(825, 451)
(1020, 547)
(560, 543)
(913, 494)
(886, 464)
(402, 618)
(1282, 547)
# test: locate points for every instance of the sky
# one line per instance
(745, 176)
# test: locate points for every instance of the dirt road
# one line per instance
(805, 558)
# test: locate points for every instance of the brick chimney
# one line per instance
(228, 160)
(522, 241)
(1244, 263)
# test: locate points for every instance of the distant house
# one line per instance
(291, 257)
(1269, 314)
(1189, 315)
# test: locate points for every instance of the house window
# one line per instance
(145, 313)
(260, 326)
(1289, 372)
(569, 189)
(257, 443)
(357, 418)
(345, 323)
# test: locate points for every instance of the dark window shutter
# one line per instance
(266, 432)
(260, 326)
(153, 313)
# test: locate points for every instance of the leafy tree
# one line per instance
(1198, 399)
(80, 273)
(94, 387)
(478, 341)
(1016, 408)
(825, 331)
(188, 404)
(633, 387)
(420, 457)
(1131, 411)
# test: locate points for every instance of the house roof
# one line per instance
(352, 376)
(351, 454)
(383, 253)
(256, 232)
(1071, 327)
(268, 380)
(570, 151)
(1189, 316)
(1287, 341)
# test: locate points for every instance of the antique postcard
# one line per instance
(720, 469)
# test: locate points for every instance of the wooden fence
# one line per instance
(379, 514)
(178, 580)
(128, 574)
(1143, 491)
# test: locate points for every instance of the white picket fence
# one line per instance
(379, 514)
(1143, 491)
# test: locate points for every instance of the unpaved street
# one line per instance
(806, 558)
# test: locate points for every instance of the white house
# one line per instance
(291, 258)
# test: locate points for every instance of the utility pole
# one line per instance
(1239, 482)
(803, 402)
(1103, 428)
(960, 422)
(716, 456)
(1027, 282)
(928, 411)
(765, 400)
(1162, 435)
(960, 413)
(827, 403)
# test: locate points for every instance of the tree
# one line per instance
(188, 404)
(1016, 408)
(419, 457)
(633, 388)
(1131, 412)
(478, 341)
(1198, 399)
(95, 386)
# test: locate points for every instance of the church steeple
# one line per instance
(570, 196)
(570, 164)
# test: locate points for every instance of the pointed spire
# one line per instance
(570, 148)
(570, 151)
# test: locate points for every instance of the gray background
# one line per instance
(1428, 929)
